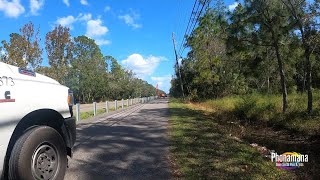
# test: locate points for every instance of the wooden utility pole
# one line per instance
(177, 64)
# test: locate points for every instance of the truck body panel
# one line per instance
(21, 94)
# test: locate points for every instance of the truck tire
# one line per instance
(40, 153)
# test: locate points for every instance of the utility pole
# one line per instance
(177, 64)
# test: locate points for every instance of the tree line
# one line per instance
(262, 46)
(76, 62)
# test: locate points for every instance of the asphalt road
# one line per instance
(126, 144)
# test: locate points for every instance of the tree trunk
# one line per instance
(308, 78)
(282, 77)
(304, 81)
(308, 65)
(268, 84)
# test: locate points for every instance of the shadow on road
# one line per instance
(134, 148)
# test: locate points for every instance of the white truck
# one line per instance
(37, 128)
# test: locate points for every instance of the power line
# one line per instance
(188, 26)
(197, 13)
(194, 21)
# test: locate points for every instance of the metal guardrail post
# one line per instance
(107, 107)
(78, 111)
(122, 103)
(127, 102)
(115, 105)
(94, 108)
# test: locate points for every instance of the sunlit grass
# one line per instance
(257, 108)
(203, 148)
(90, 114)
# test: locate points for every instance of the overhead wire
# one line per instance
(182, 47)
(188, 26)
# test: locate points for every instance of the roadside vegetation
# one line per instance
(202, 148)
(260, 47)
(90, 114)
(250, 83)
(233, 137)
(257, 109)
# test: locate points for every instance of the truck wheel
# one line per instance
(38, 154)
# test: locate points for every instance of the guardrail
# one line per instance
(113, 105)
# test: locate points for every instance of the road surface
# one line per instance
(130, 144)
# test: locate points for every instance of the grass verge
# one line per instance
(267, 109)
(89, 114)
(202, 148)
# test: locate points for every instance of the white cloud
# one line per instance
(130, 19)
(163, 82)
(66, 2)
(95, 28)
(142, 66)
(35, 6)
(12, 8)
(107, 8)
(233, 6)
(66, 21)
(102, 42)
(161, 78)
(84, 2)
(84, 17)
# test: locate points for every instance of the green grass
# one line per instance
(90, 114)
(268, 109)
(203, 149)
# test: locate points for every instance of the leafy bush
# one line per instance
(268, 109)
(244, 110)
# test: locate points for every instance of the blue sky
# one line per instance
(136, 32)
